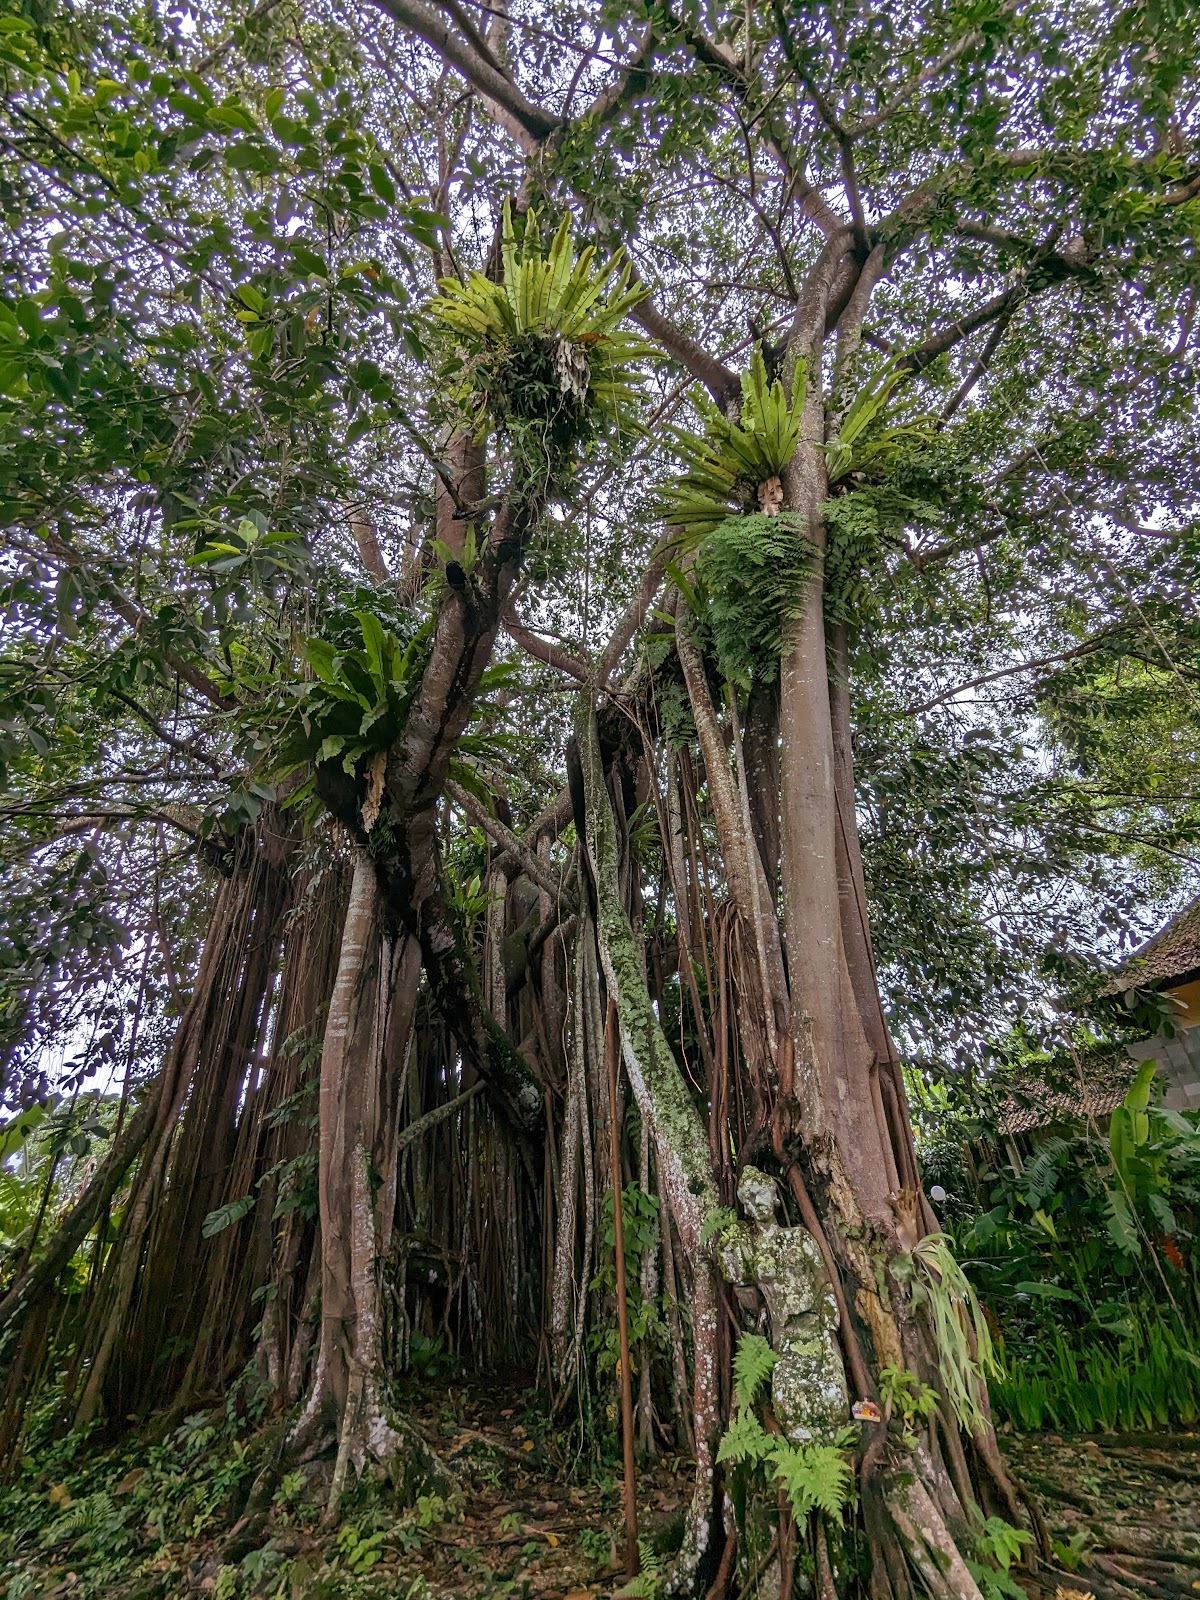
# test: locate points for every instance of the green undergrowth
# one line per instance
(206, 1505)
(1080, 1239)
(1150, 1381)
(195, 1508)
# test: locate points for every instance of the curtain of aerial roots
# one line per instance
(915, 1508)
(378, 1214)
(707, 961)
(113, 1332)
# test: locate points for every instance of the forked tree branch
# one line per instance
(476, 63)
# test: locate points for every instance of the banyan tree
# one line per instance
(474, 483)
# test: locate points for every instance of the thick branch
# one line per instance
(530, 863)
(544, 650)
(713, 374)
(475, 62)
(924, 355)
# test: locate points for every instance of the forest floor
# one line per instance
(517, 1515)
(1126, 1507)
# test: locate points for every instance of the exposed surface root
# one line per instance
(1131, 1506)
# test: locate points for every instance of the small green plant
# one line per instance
(649, 1582)
(1000, 1542)
(1069, 1553)
(360, 1551)
(911, 1400)
(718, 1223)
(639, 1214)
(997, 1545)
(753, 1363)
(815, 1477)
(291, 1488)
(431, 1509)
(596, 1544)
(257, 1563)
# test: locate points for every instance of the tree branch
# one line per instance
(706, 369)
(530, 863)
(924, 355)
(1007, 672)
(543, 650)
(475, 62)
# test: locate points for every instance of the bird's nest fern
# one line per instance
(540, 353)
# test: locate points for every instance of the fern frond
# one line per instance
(1039, 1178)
(745, 1440)
(752, 1366)
(815, 1477)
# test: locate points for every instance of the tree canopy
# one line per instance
(537, 525)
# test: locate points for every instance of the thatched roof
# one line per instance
(1090, 1085)
(1173, 953)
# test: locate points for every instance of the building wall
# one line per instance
(1179, 1060)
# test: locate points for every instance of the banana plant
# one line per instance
(1145, 1142)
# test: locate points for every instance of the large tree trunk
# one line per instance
(847, 1132)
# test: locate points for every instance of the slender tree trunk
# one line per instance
(348, 1391)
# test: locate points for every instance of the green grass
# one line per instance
(1149, 1382)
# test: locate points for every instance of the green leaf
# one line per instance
(225, 1216)
(381, 182)
(815, 1477)
(321, 655)
(745, 1440)
(1122, 1229)
(752, 1366)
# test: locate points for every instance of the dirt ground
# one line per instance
(1131, 1503)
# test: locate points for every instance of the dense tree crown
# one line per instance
(594, 596)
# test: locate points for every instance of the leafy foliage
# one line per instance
(815, 1477)
(752, 574)
(943, 1291)
(730, 462)
(1083, 1259)
(753, 1364)
(544, 345)
(360, 701)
